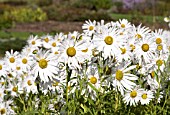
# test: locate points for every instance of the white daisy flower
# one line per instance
(122, 79)
(55, 86)
(34, 42)
(15, 89)
(89, 27)
(100, 26)
(11, 59)
(108, 42)
(158, 62)
(140, 32)
(111, 24)
(132, 97)
(160, 41)
(93, 80)
(54, 45)
(146, 96)
(153, 80)
(29, 51)
(18, 69)
(71, 52)
(145, 50)
(45, 40)
(3, 68)
(74, 34)
(45, 66)
(126, 53)
(25, 61)
(123, 24)
(5, 108)
(59, 36)
(29, 84)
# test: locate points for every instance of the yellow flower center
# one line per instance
(43, 63)
(46, 40)
(0, 67)
(71, 51)
(144, 96)
(15, 89)
(93, 80)
(18, 68)
(55, 84)
(145, 47)
(152, 74)
(132, 47)
(123, 50)
(158, 40)
(12, 60)
(33, 42)
(2, 83)
(91, 28)
(24, 61)
(29, 82)
(54, 44)
(85, 50)
(133, 94)
(108, 40)
(159, 47)
(138, 36)
(2, 111)
(119, 75)
(56, 52)
(121, 33)
(159, 62)
(123, 25)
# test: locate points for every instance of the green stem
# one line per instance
(67, 87)
(21, 100)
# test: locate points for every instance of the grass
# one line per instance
(20, 35)
(16, 44)
(144, 18)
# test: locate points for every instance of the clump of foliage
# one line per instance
(25, 15)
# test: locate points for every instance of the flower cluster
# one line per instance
(109, 56)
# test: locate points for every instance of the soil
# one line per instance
(65, 27)
(48, 26)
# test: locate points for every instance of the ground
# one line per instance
(48, 26)
(56, 26)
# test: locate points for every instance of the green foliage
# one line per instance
(25, 15)
(15, 44)
(40, 3)
(102, 4)
(92, 4)
(5, 23)
(75, 14)
(10, 16)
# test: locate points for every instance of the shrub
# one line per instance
(40, 2)
(74, 14)
(92, 4)
(25, 15)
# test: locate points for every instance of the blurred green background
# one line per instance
(20, 18)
